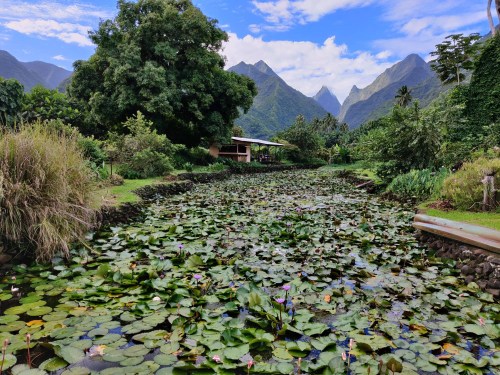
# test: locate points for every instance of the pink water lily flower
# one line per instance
(286, 287)
(280, 300)
(197, 276)
(344, 356)
(216, 358)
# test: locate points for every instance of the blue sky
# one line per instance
(310, 43)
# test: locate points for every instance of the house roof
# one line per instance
(256, 141)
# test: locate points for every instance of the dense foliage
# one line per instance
(45, 104)
(142, 153)
(483, 108)
(46, 190)
(408, 139)
(418, 185)
(11, 101)
(161, 57)
(465, 187)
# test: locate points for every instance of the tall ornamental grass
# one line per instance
(418, 184)
(465, 188)
(46, 190)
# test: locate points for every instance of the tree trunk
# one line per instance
(497, 6)
(490, 18)
(489, 195)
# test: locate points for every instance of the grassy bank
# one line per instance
(485, 219)
(115, 195)
(361, 169)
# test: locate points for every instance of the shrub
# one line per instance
(146, 163)
(47, 190)
(216, 167)
(188, 167)
(116, 180)
(465, 188)
(419, 185)
(143, 153)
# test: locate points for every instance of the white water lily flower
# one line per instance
(156, 299)
(13, 290)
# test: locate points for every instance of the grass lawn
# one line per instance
(485, 219)
(115, 195)
(361, 169)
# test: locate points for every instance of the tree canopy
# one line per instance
(453, 56)
(161, 57)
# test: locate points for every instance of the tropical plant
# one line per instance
(45, 104)
(161, 57)
(11, 101)
(47, 190)
(465, 187)
(455, 55)
(403, 96)
(418, 184)
(305, 137)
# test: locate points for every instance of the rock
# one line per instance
(494, 292)
(469, 279)
(494, 284)
(467, 270)
(487, 268)
(5, 258)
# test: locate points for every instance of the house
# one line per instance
(241, 149)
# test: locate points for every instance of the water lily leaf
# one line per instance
(9, 361)
(136, 351)
(76, 371)
(165, 359)
(282, 353)
(25, 370)
(475, 329)
(39, 311)
(236, 352)
(132, 361)
(69, 353)
(394, 365)
(53, 364)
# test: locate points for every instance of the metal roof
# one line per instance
(256, 141)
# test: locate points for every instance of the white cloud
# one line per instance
(52, 19)
(15, 9)
(59, 58)
(289, 12)
(308, 66)
(67, 32)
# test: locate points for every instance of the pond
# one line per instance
(284, 273)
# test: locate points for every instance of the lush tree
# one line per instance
(453, 56)
(408, 139)
(304, 136)
(483, 104)
(238, 131)
(11, 101)
(403, 96)
(161, 57)
(45, 104)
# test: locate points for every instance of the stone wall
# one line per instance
(158, 191)
(475, 264)
(205, 177)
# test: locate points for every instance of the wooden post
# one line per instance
(489, 193)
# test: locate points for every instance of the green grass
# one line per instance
(115, 195)
(360, 168)
(485, 219)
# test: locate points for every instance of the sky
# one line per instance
(309, 43)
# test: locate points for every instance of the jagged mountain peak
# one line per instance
(264, 68)
(328, 100)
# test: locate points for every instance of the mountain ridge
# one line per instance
(328, 101)
(276, 105)
(31, 73)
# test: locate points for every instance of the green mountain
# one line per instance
(328, 101)
(30, 74)
(377, 99)
(276, 105)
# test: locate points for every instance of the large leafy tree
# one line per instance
(11, 101)
(161, 57)
(455, 55)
